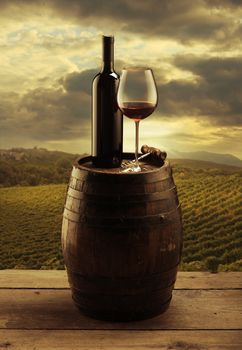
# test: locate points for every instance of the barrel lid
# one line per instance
(85, 163)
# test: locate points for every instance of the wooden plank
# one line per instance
(208, 280)
(57, 279)
(54, 309)
(54, 279)
(121, 340)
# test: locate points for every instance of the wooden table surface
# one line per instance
(37, 312)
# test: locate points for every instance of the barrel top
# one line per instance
(85, 163)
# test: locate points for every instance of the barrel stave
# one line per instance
(107, 252)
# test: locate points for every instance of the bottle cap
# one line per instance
(108, 38)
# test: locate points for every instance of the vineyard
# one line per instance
(212, 218)
(211, 200)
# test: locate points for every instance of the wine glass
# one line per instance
(137, 99)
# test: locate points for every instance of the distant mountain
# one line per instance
(34, 166)
(227, 159)
(35, 155)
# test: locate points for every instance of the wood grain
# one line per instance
(121, 340)
(57, 279)
(54, 309)
(54, 279)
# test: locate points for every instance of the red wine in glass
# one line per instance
(137, 110)
(137, 99)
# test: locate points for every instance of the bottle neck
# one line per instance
(108, 54)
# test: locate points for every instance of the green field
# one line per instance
(30, 226)
(211, 199)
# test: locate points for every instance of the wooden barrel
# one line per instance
(121, 240)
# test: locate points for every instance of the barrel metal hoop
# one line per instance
(137, 294)
(77, 175)
(135, 198)
(157, 275)
(120, 222)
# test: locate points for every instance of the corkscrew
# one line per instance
(155, 155)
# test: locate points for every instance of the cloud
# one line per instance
(82, 81)
(45, 114)
(79, 81)
(183, 20)
(215, 92)
(225, 3)
(59, 112)
(186, 21)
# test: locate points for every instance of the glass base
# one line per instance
(136, 169)
(131, 168)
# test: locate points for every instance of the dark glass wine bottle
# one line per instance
(107, 119)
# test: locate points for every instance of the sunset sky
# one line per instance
(51, 50)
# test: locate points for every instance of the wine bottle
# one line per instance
(107, 119)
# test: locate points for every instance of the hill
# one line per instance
(205, 165)
(226, 159)
(36, 166)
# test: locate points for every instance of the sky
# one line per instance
(51, 50)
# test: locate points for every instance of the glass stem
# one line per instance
(136, 143)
